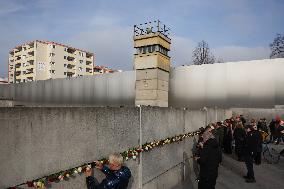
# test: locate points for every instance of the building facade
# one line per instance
(42, 60)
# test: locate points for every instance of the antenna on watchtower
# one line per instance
(151, 27)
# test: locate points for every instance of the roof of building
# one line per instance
(104, 68)
(51, 42)
(3, 80)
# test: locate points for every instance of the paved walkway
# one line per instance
(268, 176)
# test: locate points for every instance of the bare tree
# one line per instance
(277, 47)
(202, 54)
(219, 60)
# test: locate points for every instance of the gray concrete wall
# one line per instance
(6, 103)
(35, 142)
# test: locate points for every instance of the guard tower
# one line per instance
(152, 63)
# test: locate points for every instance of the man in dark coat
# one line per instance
(239, 136)
(209, 160)
(219, 133)
(243, 120)
(272, 128)
(228, 137)
(117, 176)
(250, 150)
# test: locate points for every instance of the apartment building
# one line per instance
(42, 60)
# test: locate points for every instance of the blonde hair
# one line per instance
(116, 158)
(240, 125)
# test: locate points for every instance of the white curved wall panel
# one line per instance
(258, 83)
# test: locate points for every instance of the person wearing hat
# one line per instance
(250, 150)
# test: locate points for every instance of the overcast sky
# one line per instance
(235, 29)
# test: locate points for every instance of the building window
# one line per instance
(51, 54)
(152, 48)
(53, 46)
(81, 61)
(52, 63)
(80, 69)
(65, 73)
(65, 65)
(65, 57)
(52, 71)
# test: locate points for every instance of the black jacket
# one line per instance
(210, 158)
(114, 179)
(239, 136)
(253, 143)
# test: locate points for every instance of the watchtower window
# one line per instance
(152, 48)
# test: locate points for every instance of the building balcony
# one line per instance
(90, 66)
(29, 74)
(90, 70)
(18, 76)
(89, 55)
(89, 59)
(88, 73)
(30, 50)
(30, 68)
(70, 58)
(30, 62)
(30, 58)
(17, 58)
(11, 53)
(18, 65)
(71, 50)
(30, 79)
(31, 53)
(70, 74)
(89, 62)
(71, 70)
(70, 66)
(17, 53)
(31, 45)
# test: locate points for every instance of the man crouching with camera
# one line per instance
(117, 175)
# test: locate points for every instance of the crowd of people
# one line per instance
(245, 138)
